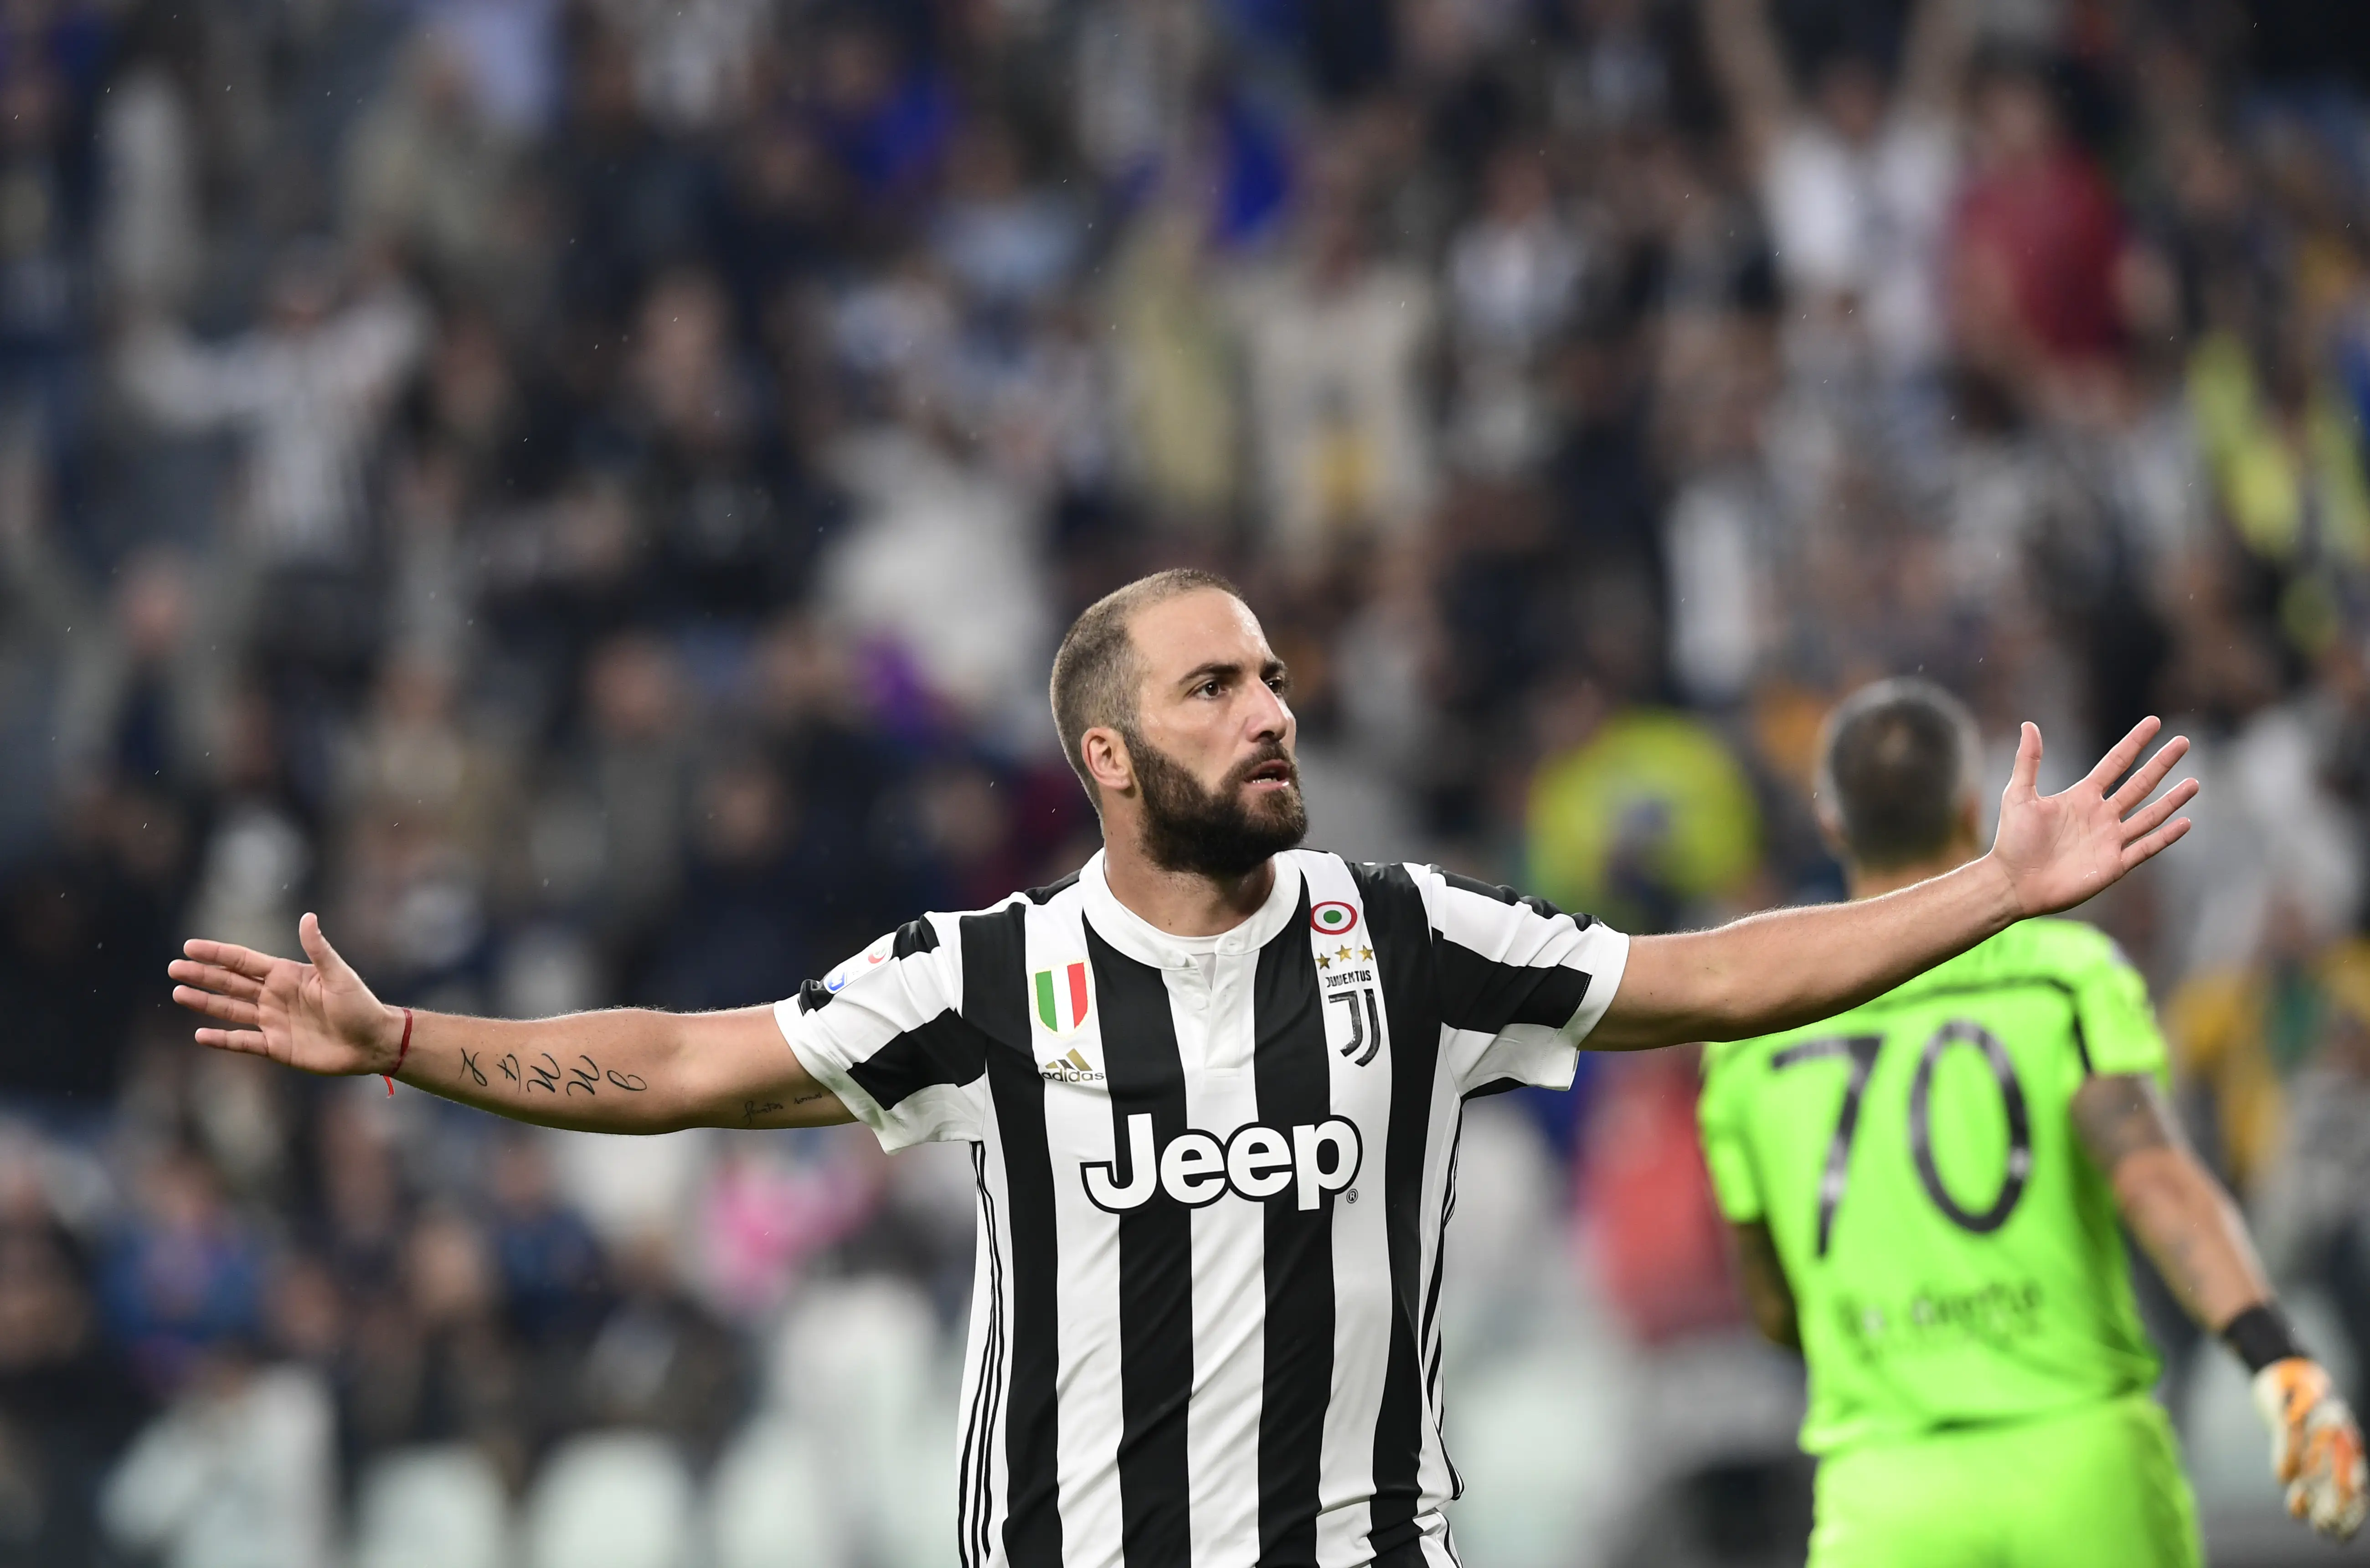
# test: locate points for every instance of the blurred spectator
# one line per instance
(628, 198)
(1646, 815)
(627, 796)
(937, 567)
(1855, 182)
(2284, 447)
(730, 523)
(2241, 1034)
(150, 240)
(240, 1471)
(414, 761)
(101, 896)
(511, 48)
(1180, 430)
(432, 1361)
(142, 704)
(358, 1198)
(66, 1405)
(427, 169)
(1333, 339)
(2317, 1196)
(1513, 275)
(256, 858)
(553, 1282)
(1005, 243)
(885, 112)
(185, 1277)
(764, 1218)
(740, 931)
(55, 65)
(2036, 236)
(662, 1361)
(310, 392)
(1654, 1229)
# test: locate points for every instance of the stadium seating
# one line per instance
(441, 1506)
(613, 1500)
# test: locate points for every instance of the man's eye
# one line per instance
(1208, 688)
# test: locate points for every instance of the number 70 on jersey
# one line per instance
(1860, 1053)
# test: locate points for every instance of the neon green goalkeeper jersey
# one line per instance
(1955, 1256)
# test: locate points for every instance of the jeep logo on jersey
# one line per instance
(1061, 1003)
(1257, 1163)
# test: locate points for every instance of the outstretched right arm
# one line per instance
(626, 1070)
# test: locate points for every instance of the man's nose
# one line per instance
(1269, 718)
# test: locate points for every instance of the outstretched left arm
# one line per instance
(1795, 966)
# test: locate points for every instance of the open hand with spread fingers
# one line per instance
(2057, 850)
(316, 1017)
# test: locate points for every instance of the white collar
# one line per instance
(1140, 939)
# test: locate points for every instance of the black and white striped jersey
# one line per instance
(1213, 1174)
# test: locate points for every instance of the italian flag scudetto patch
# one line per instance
(1062, 996)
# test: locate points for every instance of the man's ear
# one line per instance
(1108, 764)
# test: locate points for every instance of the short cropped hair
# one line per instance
(1897, 764)
(1097, 674)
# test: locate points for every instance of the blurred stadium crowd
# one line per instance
(582, 493)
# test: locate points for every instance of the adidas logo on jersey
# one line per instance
(1071, 1068)
(1258, 1162)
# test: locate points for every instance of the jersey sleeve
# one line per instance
(1720, 1115)
(2119, 1027)
(884, 1031)
(1521, 982)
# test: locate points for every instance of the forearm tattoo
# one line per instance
(584, 1076)
(2121, 1114)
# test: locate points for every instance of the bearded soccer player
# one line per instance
(1926, 1190)
(1212, 1085)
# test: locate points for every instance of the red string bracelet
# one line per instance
(400, 1052)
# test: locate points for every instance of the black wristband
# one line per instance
(2260, 1335)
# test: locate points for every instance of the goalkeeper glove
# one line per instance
(2316, 1446)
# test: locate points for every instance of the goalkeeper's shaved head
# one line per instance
(1896, 772)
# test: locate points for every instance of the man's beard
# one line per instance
(1213, 833)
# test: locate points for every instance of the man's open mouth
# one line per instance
(1278, 772)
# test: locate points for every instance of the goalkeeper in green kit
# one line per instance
(1927, 1189)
